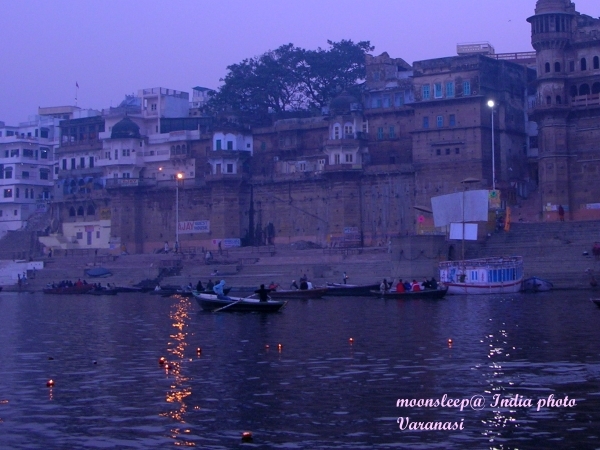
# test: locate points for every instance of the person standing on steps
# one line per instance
(561, 213)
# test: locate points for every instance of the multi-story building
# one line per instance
(566, 108)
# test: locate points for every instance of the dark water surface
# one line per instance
(318, 391)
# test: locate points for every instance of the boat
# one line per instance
(69, 290)
(296, 294)
(351, 290)
(98, 272)
(423, 294)
(535, 284)
(498, 275)
(210, 302)
(596, 301)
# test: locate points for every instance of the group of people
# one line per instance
(407, 286)
(67, 283)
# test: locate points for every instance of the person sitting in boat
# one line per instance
(263, 293)
(218, 288)
(426, 284)
(400, 286)
(210, 285)
(273, 286)
(433, 284)
(303, 278)
(78, 282)
(383, 287)
(294, 285)
(407, 286)
(157, 288)
(303, 284)
(199, 286)
(415, 287)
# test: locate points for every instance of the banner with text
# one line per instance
(194, 226)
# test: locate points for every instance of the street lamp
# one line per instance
(178, 178)
(491, 104)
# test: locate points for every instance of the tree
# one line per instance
(290, 79)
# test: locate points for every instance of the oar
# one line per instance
(231, 304)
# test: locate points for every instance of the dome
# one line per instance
(342, 104)
(125, 129)
(553, 6)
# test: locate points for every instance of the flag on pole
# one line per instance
(77, 85)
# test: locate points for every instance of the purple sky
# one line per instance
(112, 48)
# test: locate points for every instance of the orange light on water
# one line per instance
(162, 360)
(247, 436)
(50, 383)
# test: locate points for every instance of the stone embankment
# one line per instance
(560, 252)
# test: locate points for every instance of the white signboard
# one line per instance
(456, 231)
(194, 226)
(468, 206)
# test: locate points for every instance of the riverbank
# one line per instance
(559, 251)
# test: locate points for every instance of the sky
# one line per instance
(112, 48)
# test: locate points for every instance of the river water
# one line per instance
(320, 390)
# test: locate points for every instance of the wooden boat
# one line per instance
(499, 275)
(210, 302)
(596, 301)
(424, 294)
(296, 294)
(535, 284)
(98, 272)
(351, 290)
(69, 290)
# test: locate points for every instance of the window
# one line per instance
(596, 62)
(380, 133)
(79, 235)
(71, 212)
(124, 152)
(438, 151)
(80, 211)
(336, 132)
(548, 100)
(452, 120)
(72, 163)
(302, 167)
(386, 101)
(348, 131)
(8, 172)
(153, 107)
(17, 193)
(218, 144)
(126, 175)
(466, 88)
(426, 122)
(91, 162)
(438, 90)
(547, 67)
(450, 89)
(44, 174)
(27, 153)
(557, 67)
(43, 153)
(399, 99)
(7, 193)
(349, 158)
(116, 153)
(457, 151)
(447, 151)
(440, 121)
(392, 132)
(583, 64)
(82, 163)
(426, 92)
(229, 145)
(336, 158)
(14, 153)
(229, 168)
(25, 175)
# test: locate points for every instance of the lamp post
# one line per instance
(491, 104)
(178, 178)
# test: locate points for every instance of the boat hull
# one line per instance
(492, 288)
(535, 284)
(71, 290)
(351, 290)
(595, 301)
(210, 302)
(424, 294)
(299, 294)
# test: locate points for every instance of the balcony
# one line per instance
(117, 183)
(337, 168)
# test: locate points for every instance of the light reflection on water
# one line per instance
(320, 390)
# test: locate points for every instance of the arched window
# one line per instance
(548, 100)
(336, 132)
(71, 212)
(573, 91)
(596, 62)
(584, 89)
(91, 210)
(547, 67)
(596, 88)
(172, 149)
(178, 150)
(557, 67)
(80, 211)
(558, 100)
(583, 64)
